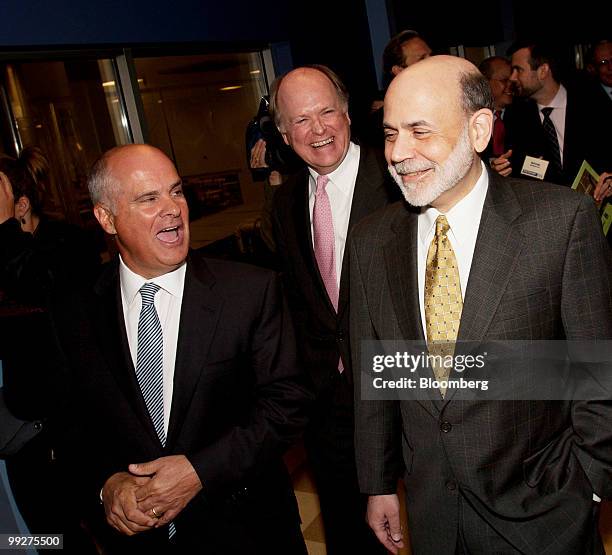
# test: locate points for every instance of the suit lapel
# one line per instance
(498, 246)
(401, 262)
(368, 195)
(200, 312)
(402, 273)
(303, 230)
(109, 324)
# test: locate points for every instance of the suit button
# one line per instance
(451, 485)
(38, 425)
(340, 335)
(446, 427)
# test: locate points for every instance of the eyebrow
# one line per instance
(411, 124)
(154, 192)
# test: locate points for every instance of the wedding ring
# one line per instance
(155, 515)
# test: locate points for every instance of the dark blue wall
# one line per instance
(68, 22)
(335, 33)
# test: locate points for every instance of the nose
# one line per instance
(171, 207)
(514, 76)
(318, 126)
(402, 148)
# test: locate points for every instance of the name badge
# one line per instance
(534, 167)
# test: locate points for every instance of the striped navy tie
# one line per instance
(553, 142)
(150, 359)
(150, 363)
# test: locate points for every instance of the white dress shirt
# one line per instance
(464, 220)
(557, 116)
(168, 306)
(340, 192)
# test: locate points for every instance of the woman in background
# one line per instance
(39, 258)
(37, 255)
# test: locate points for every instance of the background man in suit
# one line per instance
(481, 476)
(559, 124)
(404, 49)
(600, 66)
(497, 70)
(185, 381)
(313, 214)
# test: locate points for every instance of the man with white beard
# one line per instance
(484, 258)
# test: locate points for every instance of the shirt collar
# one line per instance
(607, 89)
(131, 282)
(559, 101)
(340, 176)
(461, 217)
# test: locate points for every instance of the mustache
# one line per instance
(409, 166)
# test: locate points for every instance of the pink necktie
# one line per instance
(323, 226)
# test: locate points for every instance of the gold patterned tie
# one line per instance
(443, 301)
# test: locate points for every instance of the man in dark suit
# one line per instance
(526, 261)
(497, 70)
(600, 67)
(313, 214)
(545, 109)
(183, 382)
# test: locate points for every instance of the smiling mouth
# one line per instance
(322, 143)
(414, 175)
(169, 235)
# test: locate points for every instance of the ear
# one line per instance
(543, 71)
(396, 70)
(22, 206)
(285, 138)
(480, 128)
(283, 135)
(105, 219)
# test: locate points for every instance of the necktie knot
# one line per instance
(497, 114)
(322, 181)
(547, 111)
(148, 292)
(442, 226)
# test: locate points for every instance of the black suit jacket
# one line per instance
(238, 402)
(322, 333)
(587, 137)
(514, 476)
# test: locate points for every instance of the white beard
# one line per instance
(446, 175)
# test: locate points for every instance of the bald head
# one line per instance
(456, 81)
(105, 178)
(437, 119)
(305, 78)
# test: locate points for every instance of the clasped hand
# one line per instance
(150, 495)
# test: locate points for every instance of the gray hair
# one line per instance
(475, 92)
(103, 186)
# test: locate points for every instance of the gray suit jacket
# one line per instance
(511, 476)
